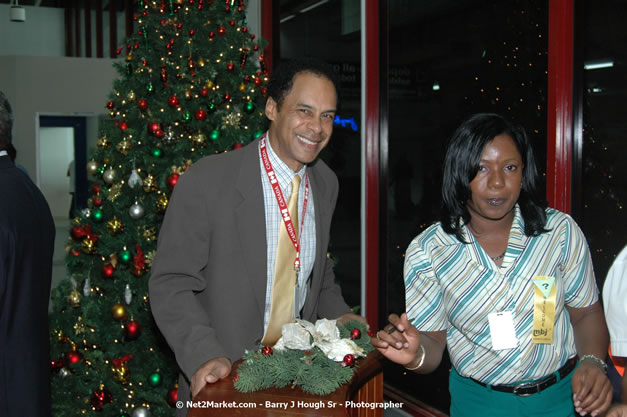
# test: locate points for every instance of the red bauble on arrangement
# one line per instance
(173, 101)
(159, 133)
(73, 357)
(237, 146)
(230, 66)
(204, 92)
(110, 105)
(222, 30)
(132, 330)
(200, 114)
(172, 396)
(55, 366)
(142, 104)
(123, 125)
(267, 350)
(171, 180)
(97, 201)
(355, 334)
(349, 360)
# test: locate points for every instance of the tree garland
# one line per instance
(310, 370)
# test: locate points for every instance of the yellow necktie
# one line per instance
(282, 300)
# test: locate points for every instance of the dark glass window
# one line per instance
(604, 192)
(330, 30)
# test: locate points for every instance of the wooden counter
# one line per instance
(361, 397)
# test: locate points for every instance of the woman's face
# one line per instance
(496, 187)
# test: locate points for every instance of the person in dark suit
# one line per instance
(212, 276)
(26, 245)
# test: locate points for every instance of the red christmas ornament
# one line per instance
(107, 270)
(159, 133)
(55, 366)
(349, 360)
(173, 101)
(246, 78)
(227, 8)
(110, 105)
(73, 357)
(227, 97)
(97, 201)
(237, 146)
(256, 48)
(232, 23)
(77, 233)
(162, 21)
(142, 104)
(171, 180)
(230, 66)
(267, 350)
(99, 398)
(172, 396)
(164, 74)
(132, 330)
(244, 29)
(212, 35)
(221, 30)
(257, 81)
(192, 32)
(264, 91)
(153, 127)
(123, 126)
(355, 334)
(200, 114)
(204, 92)
(95, 189)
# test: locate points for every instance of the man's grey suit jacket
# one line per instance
(208, 282)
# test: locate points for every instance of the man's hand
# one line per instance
(345, 318)
(592, 389)
(210, 372)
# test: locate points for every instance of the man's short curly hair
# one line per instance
(282, 79)
(6, 121)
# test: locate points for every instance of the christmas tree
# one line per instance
(192, 84)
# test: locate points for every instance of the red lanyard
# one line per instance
(287, 220)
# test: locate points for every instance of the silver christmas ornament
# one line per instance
(109, 176)
(128, 295)
(141, 412)
(136, 211)
(134, 180)
(63, 372)
(87, 288)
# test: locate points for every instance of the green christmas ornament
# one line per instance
(212, 106)
(257, 134)
(157, 153)
(250, 106)
(187, 117)
(97, 215)
(155, 379)
(215, 134)
(149, 88)
(125, 256)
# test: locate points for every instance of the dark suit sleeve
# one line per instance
(177, 274)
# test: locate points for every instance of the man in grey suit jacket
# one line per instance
(211, 277)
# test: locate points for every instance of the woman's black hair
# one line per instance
(461, 165)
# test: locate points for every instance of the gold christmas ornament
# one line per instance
(103, 142)
(92, 167)
(188, 95)
(88, 246)
(114, 226)
(79, 327)
(114, 192)
(74, 298)
(199, 140)
(162, 203)
(118, 312)
(149, 183)
(242, 87)
(201, 62)
(121, 374)
(150, 233)
(123, 147)
(209, 84)
(131, 95)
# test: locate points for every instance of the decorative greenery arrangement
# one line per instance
(310, 370)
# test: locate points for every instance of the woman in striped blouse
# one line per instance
(506, 285)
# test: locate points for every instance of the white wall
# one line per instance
(51, 86)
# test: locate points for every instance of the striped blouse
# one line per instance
(454, 286)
